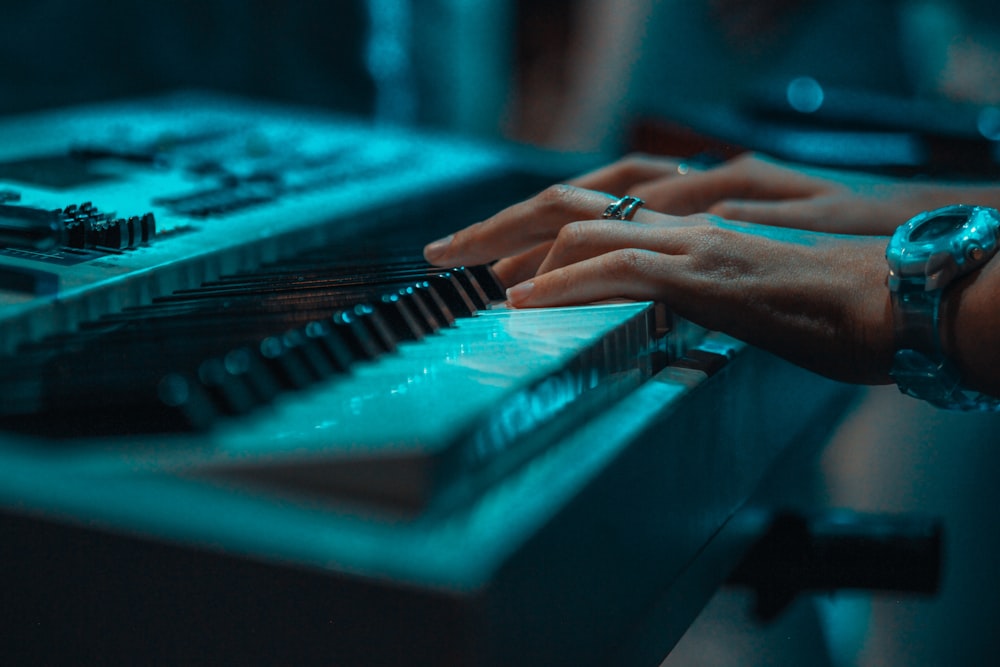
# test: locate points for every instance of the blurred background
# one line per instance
(901, 87)
(589, 75)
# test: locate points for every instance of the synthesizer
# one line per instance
(120, 324)
(242, 421)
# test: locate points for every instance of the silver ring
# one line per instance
(623, 209)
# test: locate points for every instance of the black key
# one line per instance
(355, 335)
(435, 305)
(399, 317)
(488, 280)
(472, 288)
(453, 294)
(329, 340)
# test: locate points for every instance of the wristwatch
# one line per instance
(925, 255)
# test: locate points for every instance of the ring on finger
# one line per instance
(683, 168)
(623, 209)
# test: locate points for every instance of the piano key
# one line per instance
(431, 303)
(294, 359)
(357, 337)
(226, 383)
(492, 404)
(340, 292)
(489, 282)
(284, 356)
(452, 293)
(399, 317)
(180, 397)
(331, 343)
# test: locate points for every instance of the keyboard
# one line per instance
(231, 262)
(243, 421)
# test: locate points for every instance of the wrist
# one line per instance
(874, 315)
(927, 257)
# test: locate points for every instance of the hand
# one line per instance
(756, 189)
(819, 300)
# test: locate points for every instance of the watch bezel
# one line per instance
(933, 263)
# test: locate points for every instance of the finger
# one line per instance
(801, 213)
(620, 178)
(516, 269)
(834, 215)
(630, 274)
(748, 178)
(580, 241)
(688, 194)
(519, 228)
(512, 270)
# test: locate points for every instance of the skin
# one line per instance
(788, 260)
(757, 189)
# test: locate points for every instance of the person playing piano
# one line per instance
(788, 259)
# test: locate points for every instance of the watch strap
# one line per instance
(916, 320)
(938, 382)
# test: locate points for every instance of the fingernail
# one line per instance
(436, 249)
(520, 292)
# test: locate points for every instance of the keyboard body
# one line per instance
(506, 488)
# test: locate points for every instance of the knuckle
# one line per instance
(635, 157)
(556, 196)
(637, 166)
(744, 159)
(742, 164)
(714, 253)
(723, 209)
(708, 220)
(572, 235)
(627, 263)
(557, 282)
(714, 236)
(633, 162)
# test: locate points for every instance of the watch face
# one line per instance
(939, 226)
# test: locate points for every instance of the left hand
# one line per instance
(819, 300)
(760, 189)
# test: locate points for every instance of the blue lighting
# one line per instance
(988, 123)
(805, 94)
(388, 56)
